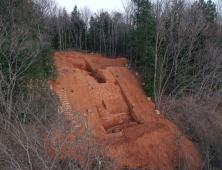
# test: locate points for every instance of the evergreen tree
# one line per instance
(144, 41)
(209, 9)
(93, 33)
(25, 53)
(77, 28)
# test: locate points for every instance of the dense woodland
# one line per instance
(176, 46)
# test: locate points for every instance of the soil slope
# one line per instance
(118, 111)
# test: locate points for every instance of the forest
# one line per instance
(175, 45)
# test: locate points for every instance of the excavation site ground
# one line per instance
(118, 110)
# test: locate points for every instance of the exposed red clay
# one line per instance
(121, 112)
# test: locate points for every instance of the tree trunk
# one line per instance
(65, 40)
(60, 41)
(100, 42)
(69, 40)
(86, 39)
(94, 39)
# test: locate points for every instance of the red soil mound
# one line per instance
(121, 112)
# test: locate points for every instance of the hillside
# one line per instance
(119, 113)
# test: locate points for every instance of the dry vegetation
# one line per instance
(40, 138)
(200, 120)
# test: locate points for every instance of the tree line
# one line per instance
(165, 39)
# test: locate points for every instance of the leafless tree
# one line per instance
(47, 8)
(195, 102)
(86, 13)
(18, 54)
(188, 30)
(129, 12)
(45, 139)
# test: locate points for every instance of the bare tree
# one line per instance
(47, 8)
(86, 13)
(193, 63)
(45, 139)
(188, 30)
(129, 12)
(17, 54)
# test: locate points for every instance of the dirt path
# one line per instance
(118, 109)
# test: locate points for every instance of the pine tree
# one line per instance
(78, 28)
(209, 9)
(144, 41)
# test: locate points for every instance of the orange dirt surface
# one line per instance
(121, 113)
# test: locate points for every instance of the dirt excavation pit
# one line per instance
(111, 106)
(119, 113)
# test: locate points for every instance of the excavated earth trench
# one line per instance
(118, 111)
